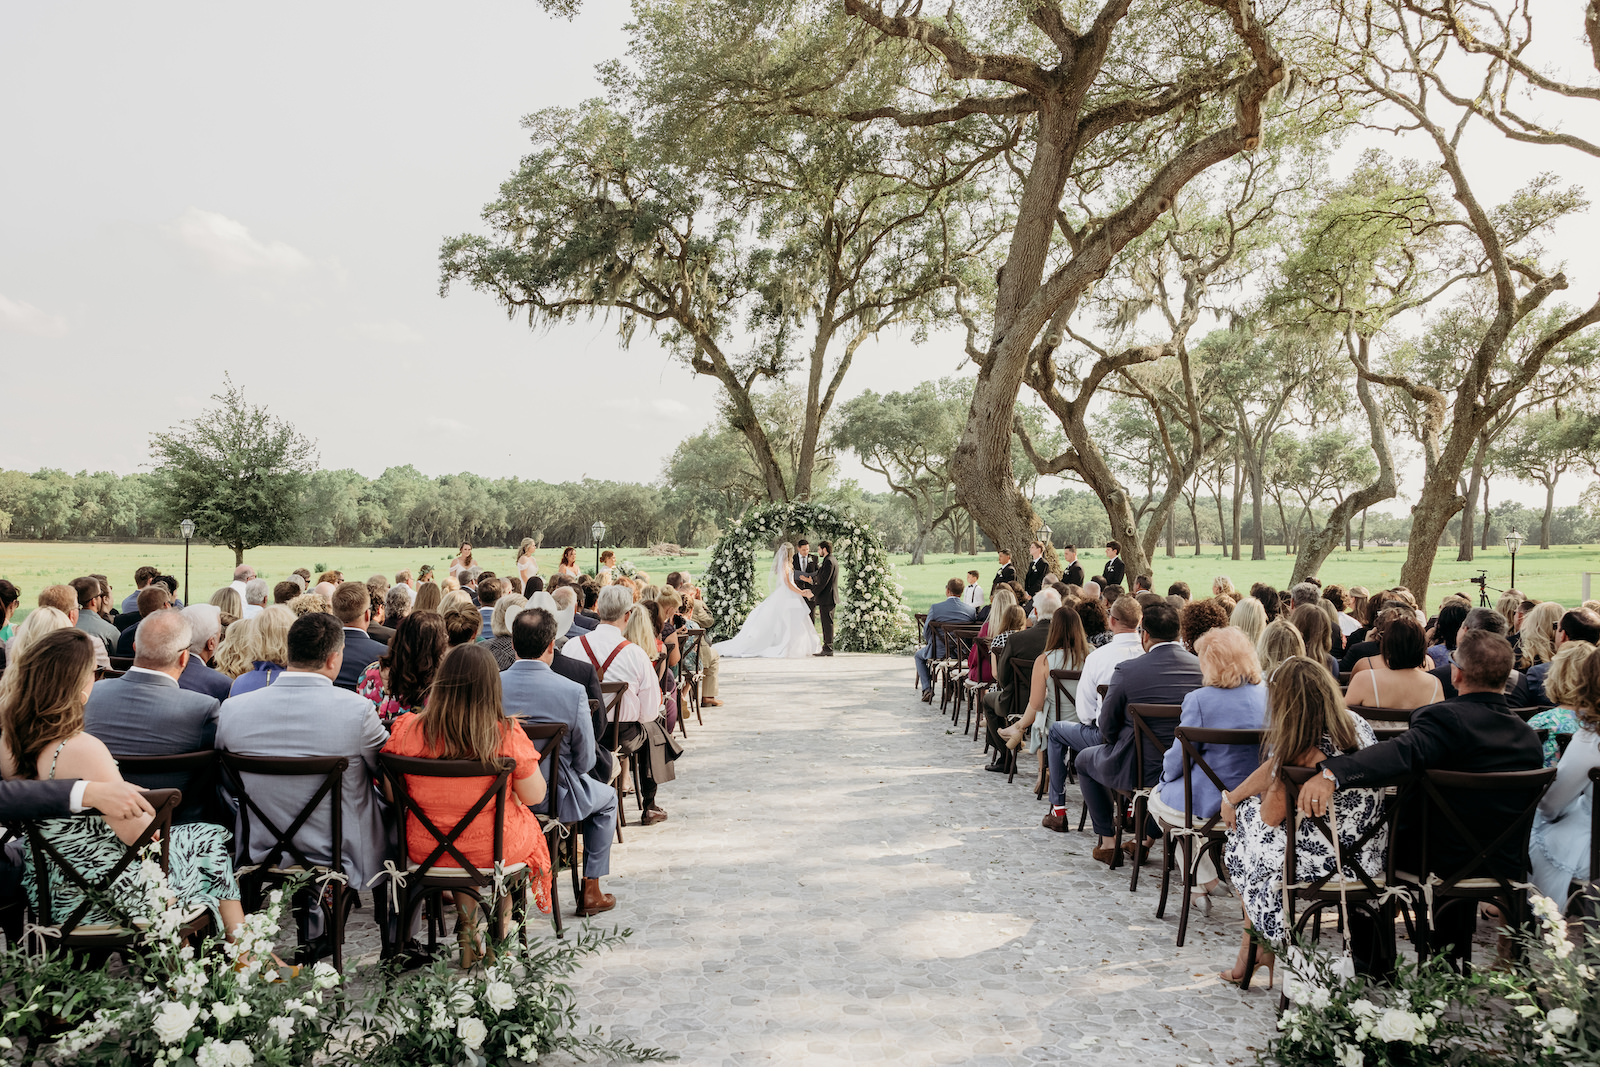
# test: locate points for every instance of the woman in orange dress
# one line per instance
(463, 720)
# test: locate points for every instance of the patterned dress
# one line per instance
(1256, 851)
(371, 686)
(200, 870)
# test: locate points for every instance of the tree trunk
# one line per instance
(1486, 514)
(1172, 533)
(1363, 540)
(1470, 500)
(1347, 535)
(1283, 520)
(919, 546)
(1258, 543)
(1222, 522)
(972, 535)
(238, 554)
(1238, 503)
(1194, 519)
(1549, 509)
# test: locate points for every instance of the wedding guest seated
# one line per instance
(1564, 684)
(398, 683)
(376, 629)
(1488, 619)
(1398, 676)
(489, 591)
(462, 624)
(1476, 732)
(1317, 633)
(1198, 618)
(499, 645)
(1249, 618)
(205, 635)
(64, 599)
(700, 615)
(566, 598)
(285, 591)
(1558, 849)
(428, 598)
(463, 721)
(10, 597)
(643, 629)
(40, 621)
(1452, 613)
(91, 598)
(1065, 649)
(1096, 621)
(254, 651)
(396, 605)
(1165, 674)
(1231, 696)
(951, 609)
(1307, 722)
(1279, 641)
(130, 603)
(146, 712)
(230, 603)
(1538, 633)
(353, 606)
(255, 597)
(1009, 699)
(45, 738)
(1580, 624)
(1181, 589)
(640, 732)
(303, 714)
(311, 604)
(534, 692)
(979, 667)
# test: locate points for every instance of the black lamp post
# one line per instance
(1513, 542)
(597, 531)
(187, 526)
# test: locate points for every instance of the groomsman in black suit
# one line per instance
(1037, 569)
(1006, 573)
(805, 573)
(1074, 574)
(1114, 566)
(825, 590)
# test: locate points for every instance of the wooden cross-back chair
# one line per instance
(691, 671)
(426, 882)
(1136, 804)
(560, 838)
(1059, 680)
(193, 772)
(975, 688)
(285, 860)
(957, 648)
(624, 763)
(100, 892)
(1210, 833)
(1480, 879)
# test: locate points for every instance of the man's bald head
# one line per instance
(161, 641)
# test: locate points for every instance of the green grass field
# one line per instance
(1553, 575)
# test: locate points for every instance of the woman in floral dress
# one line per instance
(1307, 722)
(398, 682)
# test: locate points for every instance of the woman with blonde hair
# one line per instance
(456, 598)
(1539, 627)
(1566, 683)
(227, 601)
(1231, 696)
(641, 629)
(1317, 632)
(1508, 605)
(527, 565)
(1279, 641)
(1306, 723)
(978, 666)
(39, 622)
(1249, 618)
(1558, 848)
(1358, 608)
(256, 650)
(1222, 585)
(41, 723)
(310, 604)
(463, 720)
(428, 597)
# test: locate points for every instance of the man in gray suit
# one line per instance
(531, 690)
(300, 715)
(146, 713)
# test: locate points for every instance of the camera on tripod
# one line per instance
(1482, 582)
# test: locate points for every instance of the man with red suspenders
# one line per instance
(616, 659)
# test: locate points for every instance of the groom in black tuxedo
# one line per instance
(805, 573)
(825, 588)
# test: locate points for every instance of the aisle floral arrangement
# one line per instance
(1543, 1008)
(228, 1004)
(872, 615)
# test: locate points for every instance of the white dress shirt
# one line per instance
(1097, 670)
(642, 701)
(238, 587)
(973, 594)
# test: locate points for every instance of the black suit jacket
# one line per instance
(1008, 573)
(804, 567)
(582, 624)
(1164, 675)
(1474, 732)
(1035, 579)
(125, 642)
(1014, 687)
(1516, 692)
(1074, 575)
(20, 799)
(360, 651)
(1113, 576)
(825, 583)
(381, 634)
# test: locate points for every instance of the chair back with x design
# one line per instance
(1065, 699)
(622, 762)
(548, 738)
(99, 889)
(193, 772)
(1495, 868)
(1374, 714)
(691, 672)
(1153, 724)
(1192, 742)
(1368, 889)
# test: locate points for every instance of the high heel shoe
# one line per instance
(1200, 900)
(1243, 981)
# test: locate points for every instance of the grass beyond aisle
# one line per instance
(1555, 574)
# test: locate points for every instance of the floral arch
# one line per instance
(872, 614)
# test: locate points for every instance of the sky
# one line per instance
(199, 189)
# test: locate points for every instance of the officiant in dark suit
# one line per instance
(825, 590)
(805, 573)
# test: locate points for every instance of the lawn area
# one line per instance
(1556, 574)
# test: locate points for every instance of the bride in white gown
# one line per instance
(780, 626)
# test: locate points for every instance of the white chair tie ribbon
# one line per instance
(247, 869)
(397, 881)
(36, 934)
(330, 876)
(499, 879)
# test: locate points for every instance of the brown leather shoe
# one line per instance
(1136, 851)
(1107, 856)
(1055, 822)
(653, 816)
(594, 902)
(711, 702)
(927, 696)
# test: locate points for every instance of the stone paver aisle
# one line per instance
(841, 882)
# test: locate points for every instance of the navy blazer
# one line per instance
(20, 799)
(582, 624)
(531, 690)
(198, 678)
(360, 652)
(1164, 675)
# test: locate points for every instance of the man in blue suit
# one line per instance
(531, 690)
(951, 609)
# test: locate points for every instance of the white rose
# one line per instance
(1395, 1025)
(1351, 1056)
(324, 975)
(472, 1032)
(500, 996)
(173, 1021)
(239, 1054)
(1562, 1019)
(283, 1025)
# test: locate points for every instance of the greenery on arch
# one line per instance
(872, 615)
